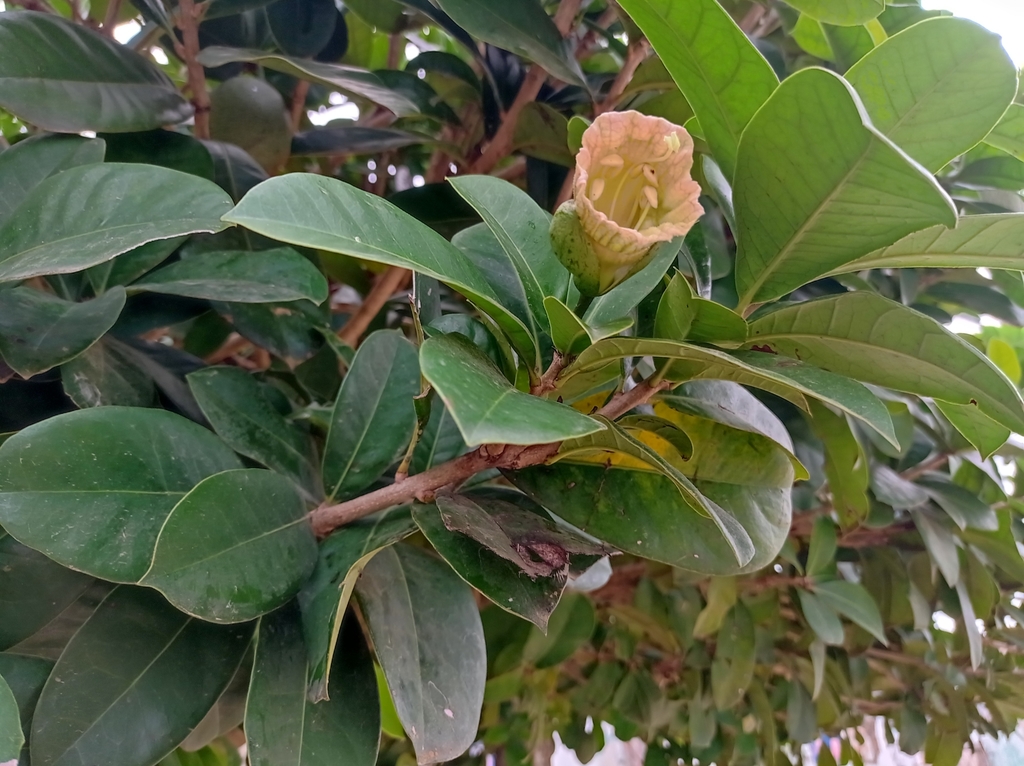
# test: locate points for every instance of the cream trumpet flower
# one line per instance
(632, 190)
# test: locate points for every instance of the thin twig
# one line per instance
(423, 486)
(110, 17)
(188, 50)
(299, 104)
(389, 283)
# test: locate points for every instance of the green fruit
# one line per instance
(249, 113)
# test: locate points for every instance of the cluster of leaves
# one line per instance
(718, 506)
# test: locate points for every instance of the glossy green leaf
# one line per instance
(821, 552)
(521, 228)
(353, 139)
(30, 162)
(990, 241)
(939, 111)
(683, 316)
(966, 509)
(821, 618)
(107, 374)
(618, 439)
(166, 148)
(136, 659)
(348, 79)
(893, 490)
(842, 13)
(439, 442)
(568, 333)
(210, 557)
(327, 214)
(520, 26)
(846, 465)
(530, 596)
(325, 596)
(429, 640)
(817, 189)
(622, 299)
(676, 310)
(50, 641)
(282, 726)
(999, 546)
(91, 489)
(242, 415)
(57, 232)
(11, 735)
(266, 276)
(853, 602)
(723, 76)
(38, 330)
(67, 78)
(35, 591)
(745, 473)
(374, 417)
(781, 376)
(1008, 134)
(979, 429)
(129, 266)
(879, 341)
(487, 408)
(25, 676)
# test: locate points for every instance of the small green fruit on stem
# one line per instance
(632, 189)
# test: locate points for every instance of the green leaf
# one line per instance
(941, 545)
(67, 78)
(622, 299)
(616, 438)
(846, 465)
(723, 76)
(36, 590)
(374, 417)
(818, 189)
(439, 442)
(821, 552)
(1008, 134)
(936, 112)
(568, 333)
(325, 596)
(845, 13)
(683, 316)
(38, 331)
(136, 659)
(885, 343)
(732, 670)
(25, 676)
(570, 627)
(783, 377)
(854, 602)
(106, 374)
(279, 274)
(543, 132)
(487, 408)
(128, 206)
(989, 241)
(801, 718)
(822, 618)
(129, 266)
(327, 214)
(494, 571)
(30, 162)
(520, 26)
(430, 643)
(211, 556)
(166, 148)
(721, 598)
(984, 433)
(353, 139)
(282, 726)
(999, 547)
(91, 489)
(676, 310)
(974, 640)
(746, 474)
(243, 416)
(11, 736)
(893, 490)
(348, 79)
(521, 228)
(966, 509)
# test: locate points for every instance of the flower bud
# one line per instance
(632, 190)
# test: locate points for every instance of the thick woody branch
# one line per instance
(390, 282)
(188, 50)
(424, 486)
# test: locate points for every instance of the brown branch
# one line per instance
(110, 17)
(188, 49)
(299, 103)
(423, 486)
(387, 284)
(635, 55)
(501, 144)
